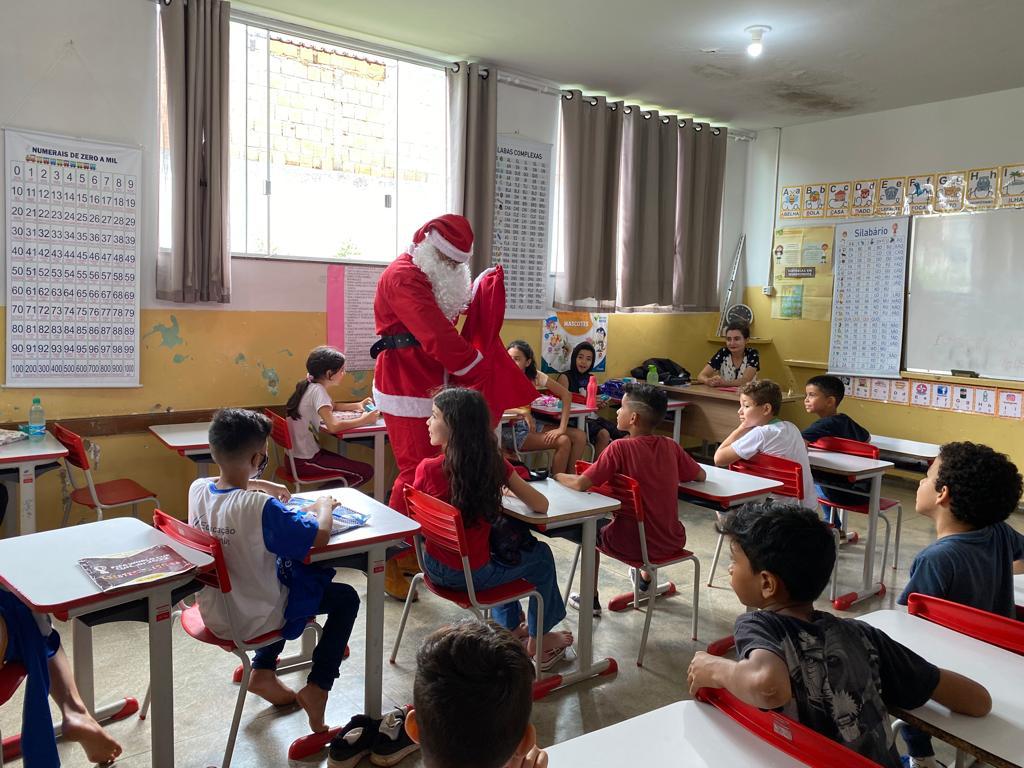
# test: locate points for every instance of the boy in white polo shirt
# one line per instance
(762, 431)
(264, 545)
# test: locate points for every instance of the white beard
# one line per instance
(451, 284)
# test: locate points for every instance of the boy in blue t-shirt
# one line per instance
(969, 492)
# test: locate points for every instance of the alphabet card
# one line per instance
(899, 392)
(863, 203)
(941, 396)
(920, 194)
(963, 398)
(790, 205)
(814, 201)
(880, 389)
(921, 394)
(949, 192)
(984, 401)
(1011, 187)
(1010, 403)
(838, 199)
(981, 188)
(891, 194)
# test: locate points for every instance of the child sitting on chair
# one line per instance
(600, 431)
(836, 676)
(659, 465)
(264, 546)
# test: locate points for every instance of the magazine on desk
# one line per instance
(125, 569)
(345, 519)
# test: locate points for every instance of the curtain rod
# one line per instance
(736, 134)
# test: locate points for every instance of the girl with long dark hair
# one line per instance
(600, 431)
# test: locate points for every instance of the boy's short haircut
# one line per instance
(649, 403)
(787, 540)
(764, 391)
(984, 485)
(237, 433)
(829, 386)
(473, 694)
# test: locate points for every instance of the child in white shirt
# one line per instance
(762, 431)
(310, 406)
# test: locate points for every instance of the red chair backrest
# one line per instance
(193, 538)
(71, 441)
(1001, 631)
(578, 398)
(845, 445)
(279, 430)
(786, 471)
(622, 488)
(789, 736)
(440, 523)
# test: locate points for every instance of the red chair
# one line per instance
(441, 525)
(286, 470)
(192, 619)
(1000, 631)
(796, 740)
(11, 675)
(99, 496)
(857, 448)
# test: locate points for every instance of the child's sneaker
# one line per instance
(353, 742)
(920, 762)
(574, 603)
(392, 743)
(638, 581)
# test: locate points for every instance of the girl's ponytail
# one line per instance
(322, 362)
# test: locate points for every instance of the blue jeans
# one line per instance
(919, 743)
(537, 566)
(341, 604)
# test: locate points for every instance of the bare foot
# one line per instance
(521, 632)
(267, 685)
(552, 640)
(98, 745)
(313, 699)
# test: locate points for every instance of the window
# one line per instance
(335, 153)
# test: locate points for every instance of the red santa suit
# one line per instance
(418, 297)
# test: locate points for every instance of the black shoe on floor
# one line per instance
(392, 743)
(353, 742)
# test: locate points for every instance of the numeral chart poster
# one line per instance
(73, 220)
(867, 306)
(522, 204)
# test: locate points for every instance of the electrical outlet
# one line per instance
(767, 290)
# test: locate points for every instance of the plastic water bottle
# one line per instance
(652, 374)
(592, 392)
(36, 420)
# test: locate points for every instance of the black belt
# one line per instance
(397, 341)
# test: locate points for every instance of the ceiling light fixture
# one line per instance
(757, 33)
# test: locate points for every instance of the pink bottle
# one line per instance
(592, 392)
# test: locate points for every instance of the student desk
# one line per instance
(42, 571)
(906, 449)
(569, 508)
(998, 738)
(190, 440)
(577, 411)
(379, 432)
(855, 468)
(711, 414)
(27, 456)
(682, 734)
(674, 407)
(726, 489)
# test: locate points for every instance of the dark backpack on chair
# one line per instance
(669, 371)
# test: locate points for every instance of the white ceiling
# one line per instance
(823, 58)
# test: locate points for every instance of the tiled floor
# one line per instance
(204, 694)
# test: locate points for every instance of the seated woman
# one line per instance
(735, 364)
(599, 431)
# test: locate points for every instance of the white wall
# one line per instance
(733, 197)
(758, 211)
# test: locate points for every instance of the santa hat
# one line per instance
(450, 234)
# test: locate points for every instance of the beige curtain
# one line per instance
(591, 143)
(473, 144)
(195, 45)
(647, 200)
(699, 216)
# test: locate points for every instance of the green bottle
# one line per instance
(652, 374)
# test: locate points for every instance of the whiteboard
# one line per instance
(965, 303)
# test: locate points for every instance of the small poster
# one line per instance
(125, 569)
(981, 188)
(880, 389)
(984, 401)
(790, 205)
(921, 394)
(351, 289)
(1010, 403)
(814, 201)
(838, 199)
(963, 398)
(890, 196)
(1011, 186)
(861, 387)
(949, 192)
(899, 392)
(941, 396)
(847, 383)
(864, 198)
(920, 194)
(564, 330)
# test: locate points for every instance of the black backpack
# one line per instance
(669, 371)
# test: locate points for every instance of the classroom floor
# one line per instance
(204, 694)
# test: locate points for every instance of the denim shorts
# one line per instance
(514, 435)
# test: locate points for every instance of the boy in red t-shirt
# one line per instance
(659, 465)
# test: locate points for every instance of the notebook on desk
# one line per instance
(344, 519)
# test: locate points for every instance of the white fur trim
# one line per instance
(450, 283)
(468, 368)
(403, 405)
(449, 250)
(480, 279)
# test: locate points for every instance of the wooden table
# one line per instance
(712, 412)
(567, 508)
(998, 738)
(42, 570)
(27, 456)
(191, 440)
(682, 734)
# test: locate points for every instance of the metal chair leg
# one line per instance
(651, 601)
(409, 599)
(243, 689)
(714, 561)
(896, 543)
(539, 660)
(835, 568)
(572, 574)
(885, 546)
(696, 596)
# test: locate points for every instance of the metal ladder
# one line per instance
(727, 301)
